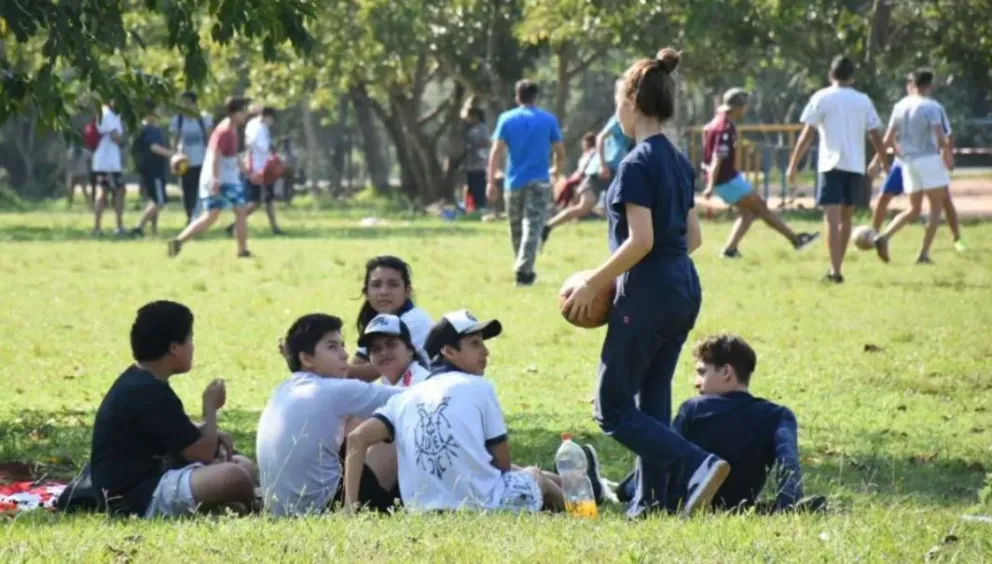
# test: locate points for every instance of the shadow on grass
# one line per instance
(59, 443)
(42, 234)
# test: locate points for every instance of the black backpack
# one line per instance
(81, 496)
(199, 119)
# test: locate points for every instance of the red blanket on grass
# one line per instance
(27, 496)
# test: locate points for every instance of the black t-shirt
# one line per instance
(151, 163)
(740, 429)
(139, 422)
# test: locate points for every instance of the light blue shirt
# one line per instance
(615, 147)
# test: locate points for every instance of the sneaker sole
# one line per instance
(806, 245)
(704, 495)
(593, 472)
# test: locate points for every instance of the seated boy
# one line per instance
(392, 353)
(751, 434)
(302, 426)
(451, 440)
(141, 422)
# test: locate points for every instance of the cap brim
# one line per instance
(724, 108)
(488, 329)
(366, 338)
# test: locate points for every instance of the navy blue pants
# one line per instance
(644, 338)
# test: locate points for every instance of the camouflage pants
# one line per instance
(527, 210)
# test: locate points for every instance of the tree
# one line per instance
(85, 43)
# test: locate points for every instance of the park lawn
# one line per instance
(897, 435)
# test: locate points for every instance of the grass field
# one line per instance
(899, 439)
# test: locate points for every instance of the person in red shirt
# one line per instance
(220, 181)
(722, 177)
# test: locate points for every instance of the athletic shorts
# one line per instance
(593, 183)
(924, 173)
(838, 188)
(111, 181)
(173, 497)
(518, 492)
(370, 494)
(257, 192)
(893, 180)
(153, 186)
(231, 196)
(734, 190)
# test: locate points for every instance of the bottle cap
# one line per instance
(566, 436)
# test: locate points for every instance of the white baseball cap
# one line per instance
(386, 324)
(455, 325)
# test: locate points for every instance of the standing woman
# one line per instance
(652, 229)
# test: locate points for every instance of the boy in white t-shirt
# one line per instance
(301, 431)
(392, 353)
(107, 167)
(258, 151)
(451, 439)
(843, 117)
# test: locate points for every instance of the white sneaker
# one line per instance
(705, 482)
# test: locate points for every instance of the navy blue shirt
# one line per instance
(151, 163)
(752, 435)
(655, 175)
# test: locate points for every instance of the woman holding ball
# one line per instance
(652, 229)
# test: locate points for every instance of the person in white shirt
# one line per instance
(392, 353)
(842, 116)
(258, 149)
(388, 289)
(450, 435)
(302, 428)
(107, 166)
(917, 135)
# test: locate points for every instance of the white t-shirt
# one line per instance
(300, 435)
(441, 428)
(415, 374)
(914, 118)
(418, 322)
(107, 157)
(258, 143)
(843, 116)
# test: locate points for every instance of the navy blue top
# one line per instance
(151, 163)
(753, 435)
(655, 175)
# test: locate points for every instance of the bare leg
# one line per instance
(241, 230)
(199, 225)
(952, 216)
(936, 199)
(906, 216)
(741, 226)
(119, 196)
(98, 206)
(832, 225)
(881, 208)
(846, 225)
(222, 483)
(270, 210)
(554, 499)
(150, 214)
(760, 208)
(381, 459)
(582, 208)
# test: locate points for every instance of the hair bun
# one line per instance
(669, 59)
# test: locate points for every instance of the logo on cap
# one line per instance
(470, 317)
(379, 322)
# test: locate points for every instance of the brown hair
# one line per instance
(589, 139)
(649, 85)
(724, 349)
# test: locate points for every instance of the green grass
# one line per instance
(897, 439)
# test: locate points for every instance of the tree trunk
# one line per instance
(310, 140)
(375, 161)
(563, 56)
(408, 177)
(339, 146)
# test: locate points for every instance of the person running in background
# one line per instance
(189, 137)
(722, 177)
(917, 135)
(842, 116)
(564, 191)
(893, 186)
(529, 135)
(220, 181)
(258, 149)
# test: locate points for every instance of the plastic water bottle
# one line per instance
(572, 467)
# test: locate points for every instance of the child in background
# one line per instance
(387, 289)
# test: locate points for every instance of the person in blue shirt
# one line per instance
(153, 154)
(611, 146)
(652, 228)
(528, 135)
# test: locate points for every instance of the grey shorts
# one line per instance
(593, 183)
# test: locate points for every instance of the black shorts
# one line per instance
(153, 186)
(838, 188)
(111, 181)
(370, 494)
(258, 192)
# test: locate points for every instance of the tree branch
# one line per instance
(583, 64)
(438, 110)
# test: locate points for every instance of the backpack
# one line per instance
(91, 135)
(199, 119)
(81, 495)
